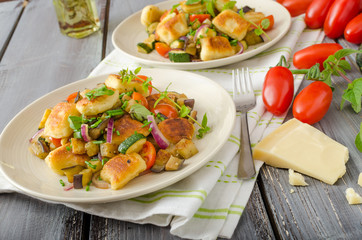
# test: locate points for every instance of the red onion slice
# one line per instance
(110, 130)
(84, 132)
(36, 135)
(99, 183)
(185, 39)
(160, 139)
(198, 31)
(67, 188)
(241, 48)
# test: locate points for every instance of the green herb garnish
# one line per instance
(61, 182)
(92, 94)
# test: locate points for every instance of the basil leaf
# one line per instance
(139, 112)
(75, 122)
(353, 94)
(358, 140)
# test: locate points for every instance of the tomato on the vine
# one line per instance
(295, 7)
(317, 53)
(313, 102)
(339, 14)
(278, 90)
(317, 12)
(148, 153)
(166, 110)
(353, 30)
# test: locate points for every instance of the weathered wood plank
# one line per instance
(23, 217)
(39, 59)
(9, 14)
(319, 211)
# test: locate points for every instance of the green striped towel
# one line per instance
(210, 202)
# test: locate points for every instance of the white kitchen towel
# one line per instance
(210, 202)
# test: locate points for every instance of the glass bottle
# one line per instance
(77, 18)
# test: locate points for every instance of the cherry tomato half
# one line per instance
(278, 90)
(143, 78)
(57, 142)
(139, 98)
(200, 17)
(353, 30)
(317, 53)
(166, 109)
(339, 14)
(71, 97)
(148, 153)
(317, 12)
(162, 49)
(312, 103)
(296, 7)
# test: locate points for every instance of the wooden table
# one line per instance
(36, 58)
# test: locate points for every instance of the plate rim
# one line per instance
(125, 196)
(204, 64)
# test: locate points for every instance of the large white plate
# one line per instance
(130, 32)
(33, 176)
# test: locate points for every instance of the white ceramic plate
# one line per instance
(130, 32)
(34, 177)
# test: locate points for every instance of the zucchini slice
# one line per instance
(177, 44)
(179, 56)
(127, 145)
(143, 48)
(152, 27)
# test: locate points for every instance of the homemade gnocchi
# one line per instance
(108, 135)
(202, 30)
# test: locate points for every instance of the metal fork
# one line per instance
(244, 99)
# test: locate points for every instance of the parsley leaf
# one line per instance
(204, 128)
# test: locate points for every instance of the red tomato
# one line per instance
(148, 153)
(340, 13)
(200, 17)
(353, 30)
(278, 90)
(72, 97)
(165, 109)
(312, 103)
(144, 78)
(139, 98)
(56, 141)
(317, 53)
(296, 7)
(271, 23)
(162, 49)
(317, 12)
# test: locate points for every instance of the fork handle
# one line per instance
(246, 169)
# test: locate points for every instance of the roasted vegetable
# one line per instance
(174, 163)
(71, 171)
(82, 179)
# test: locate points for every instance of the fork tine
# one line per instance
(248, 83)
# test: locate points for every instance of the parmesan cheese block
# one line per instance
(296, 179)
(305, 149)
(353, 197)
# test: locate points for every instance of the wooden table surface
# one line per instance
(35, 58)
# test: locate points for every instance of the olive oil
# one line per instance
(77, 18)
